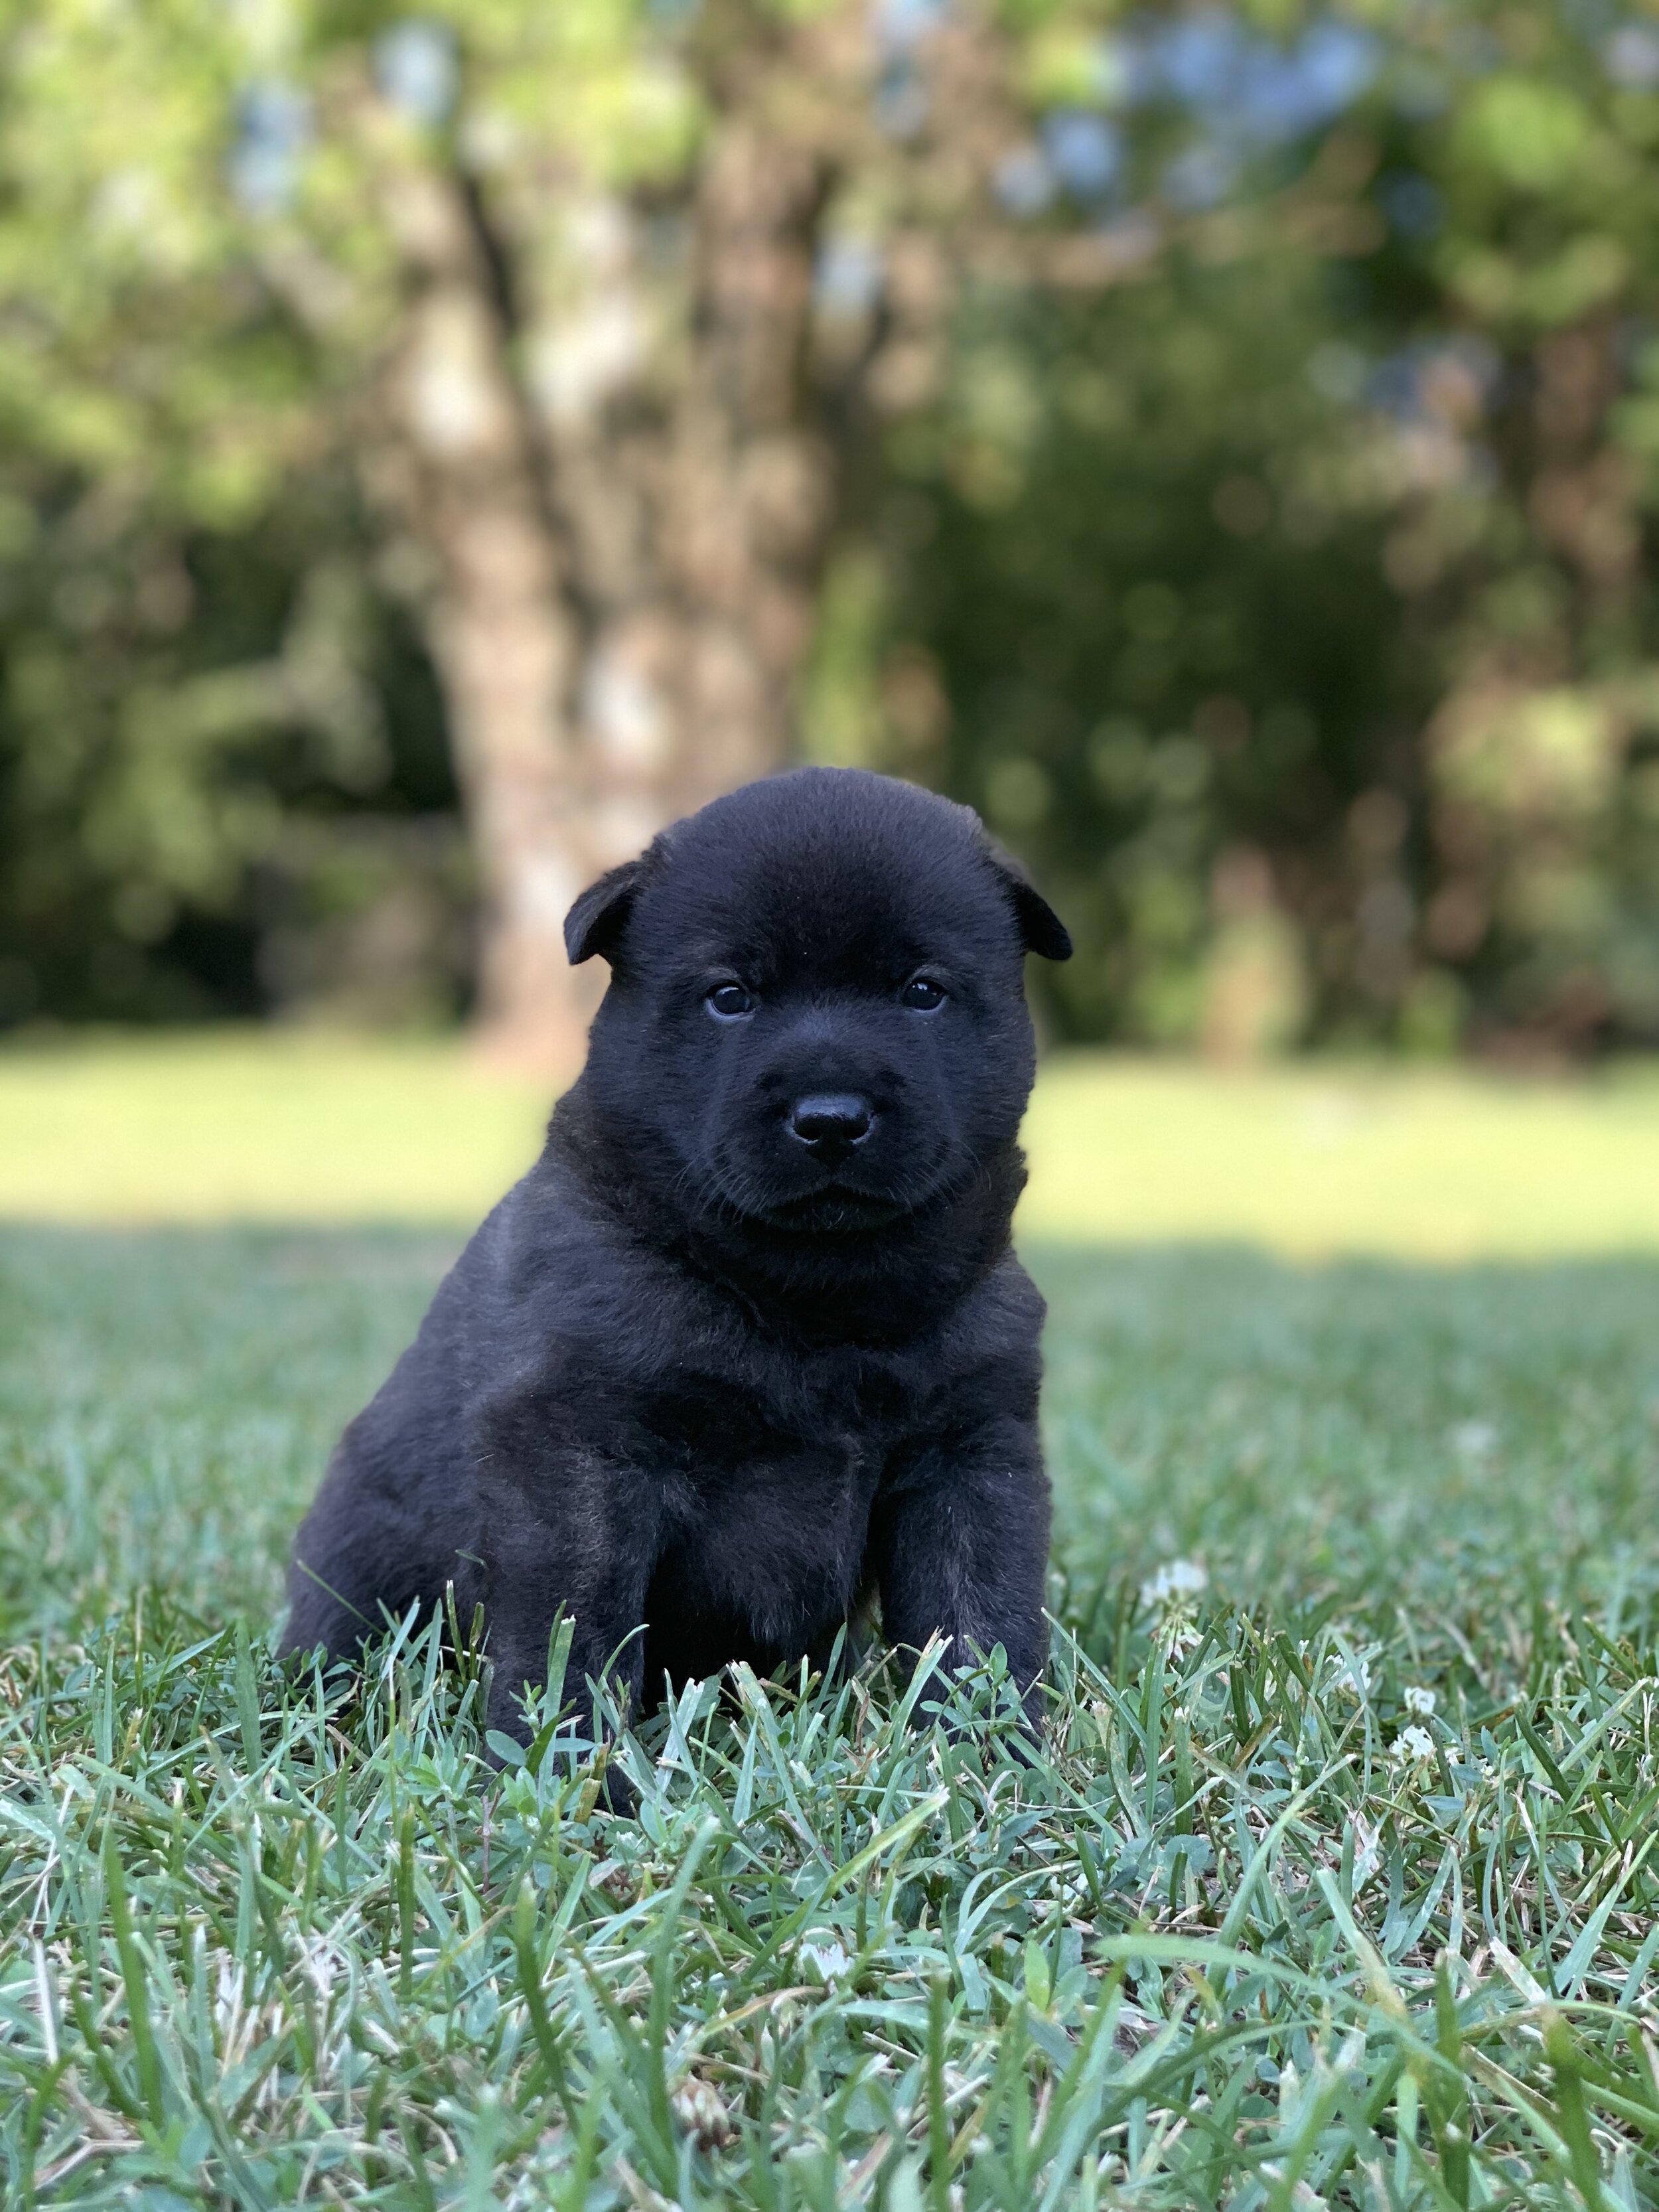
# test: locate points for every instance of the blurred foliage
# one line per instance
(225, 785)
(224, 782)
(1263, 539)
(1291, 605)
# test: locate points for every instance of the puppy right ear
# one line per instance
(596, 921)
(1040, 929)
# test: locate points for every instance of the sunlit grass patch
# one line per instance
(260, 1125)
(1316, 1160)
(1307, 1160)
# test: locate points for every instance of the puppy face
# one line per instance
(816, 1019)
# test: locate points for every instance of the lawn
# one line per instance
(1335, 1881)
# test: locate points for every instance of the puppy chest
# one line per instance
(826, 1433)
(763, 1512)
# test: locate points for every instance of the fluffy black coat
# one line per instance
(747, 1351)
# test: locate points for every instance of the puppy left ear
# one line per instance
(1040, 929)
(596, 921)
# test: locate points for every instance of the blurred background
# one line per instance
(1219, 443)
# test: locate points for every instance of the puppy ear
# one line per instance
(595, 923)
(1040, 929)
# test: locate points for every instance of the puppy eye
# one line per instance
(923, 993)
(730, 1002)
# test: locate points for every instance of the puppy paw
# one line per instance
(617, 1795)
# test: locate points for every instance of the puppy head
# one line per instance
(816, 1019)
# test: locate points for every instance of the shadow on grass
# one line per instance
(1362, 1433)
(169, 1398)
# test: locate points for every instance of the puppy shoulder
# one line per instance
(575, 1290)
(1001, 1317)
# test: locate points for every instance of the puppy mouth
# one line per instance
(833, 1207)
(823, 1197)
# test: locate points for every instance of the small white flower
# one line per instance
(1175, 1580)
(827, 1960)
(1475, 1440)
(1352, 1680)
(1419, 1700)
(1413, 1743)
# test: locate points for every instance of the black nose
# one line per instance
(829, 1122)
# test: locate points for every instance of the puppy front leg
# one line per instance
(961, 1538)
(572, 1543)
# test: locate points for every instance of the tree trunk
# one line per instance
(623, 562)
(693, 497)
(462, 469)
(613, 446)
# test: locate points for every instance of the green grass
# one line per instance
(1228, 1941)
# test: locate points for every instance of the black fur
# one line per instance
(695, 1371)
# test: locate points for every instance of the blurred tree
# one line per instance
(655, 271)
(1233, 430)
(547, 278)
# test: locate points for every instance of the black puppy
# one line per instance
(747, 1350)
